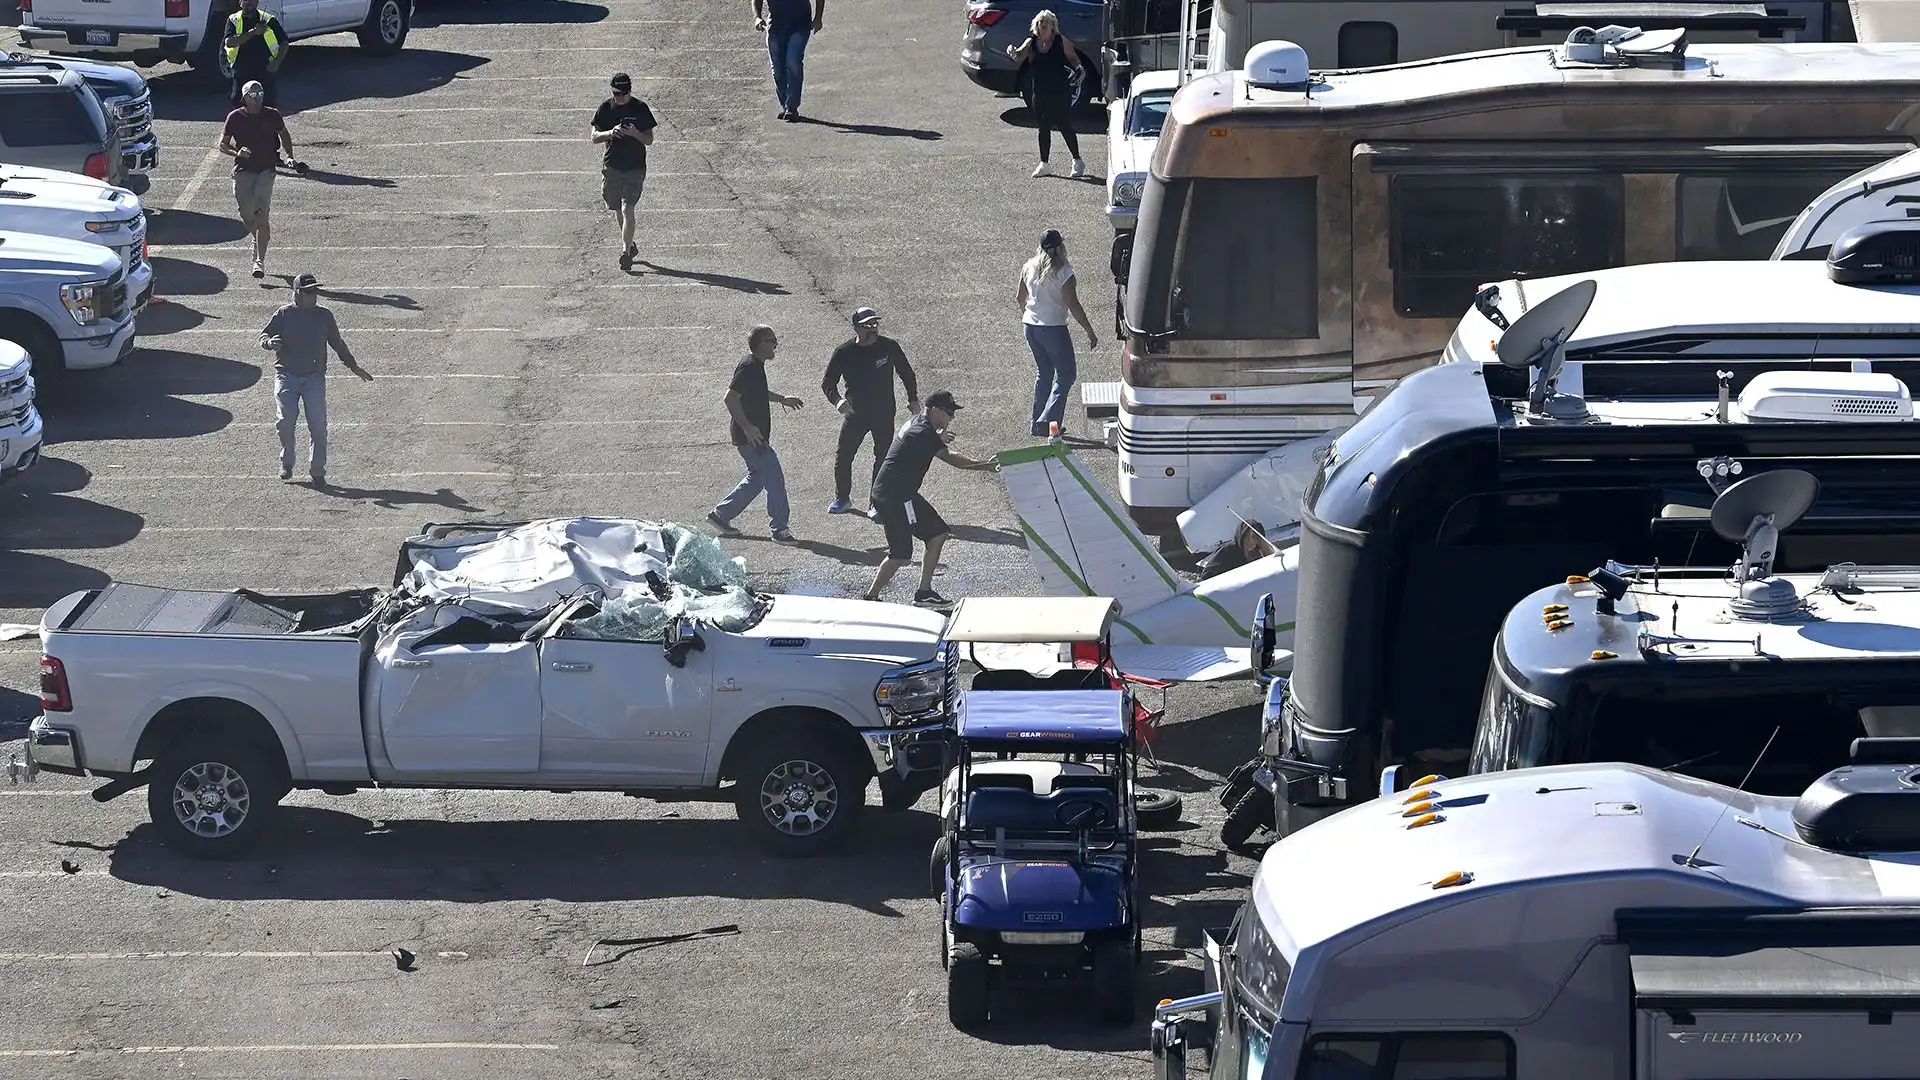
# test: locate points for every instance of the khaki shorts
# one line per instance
(621, 186)
(253, 191)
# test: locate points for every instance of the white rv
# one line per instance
(1579, 922)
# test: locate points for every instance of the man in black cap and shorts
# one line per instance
(898, 505)
(624, 124)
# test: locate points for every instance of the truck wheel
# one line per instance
(213, 801)
(385, 30)
(1113, 970)
(209, 61)
(1252, 813)
(967, 986)
(799, 795)
(937, 866)
(1156, 809)
(43, 348)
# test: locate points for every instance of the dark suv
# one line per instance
(51, 119)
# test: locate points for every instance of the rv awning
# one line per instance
(1790, 962)
(1649, 16)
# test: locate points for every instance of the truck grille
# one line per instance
(18, 417)
(114, 305)
(15, 385)
(133, 116)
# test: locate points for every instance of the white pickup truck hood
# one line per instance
(860, 629)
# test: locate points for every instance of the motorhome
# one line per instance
(1471, 484)
(1888, 191)
(1304, 239)
(1580, 922)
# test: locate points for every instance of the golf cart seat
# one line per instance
(1064, 679)
(995, 808)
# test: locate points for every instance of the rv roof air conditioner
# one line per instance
(1862, 808)
(1622, 46)
(1277, 65)
(1877, 253)
(1847, 397)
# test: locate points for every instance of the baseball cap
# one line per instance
(865, 315)
(622, 82)
(305, 282)
(942, 400)
(253, 89)
(1051, 239)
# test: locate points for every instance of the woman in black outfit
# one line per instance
(1051, 64)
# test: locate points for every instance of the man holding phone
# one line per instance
(624, 125)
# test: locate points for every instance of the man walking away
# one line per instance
(897, 502)
(625, 125)
(253, 137)
(750, 404)
(789, 23)
(298, 335)
(867, 365)
(255, 45)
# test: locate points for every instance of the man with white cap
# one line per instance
(253, 137)
(867, 365)
(299, 335)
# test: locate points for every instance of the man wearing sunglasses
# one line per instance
(624, 125)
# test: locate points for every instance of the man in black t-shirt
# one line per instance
(898, 505)
(624, 124)
(867, 365)
(750, 404)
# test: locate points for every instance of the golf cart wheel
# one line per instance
(1252, 813)
(967, 986)
(937, 866)
(798, 794)
(1113, 971)
(213, 799)
(1156, 809)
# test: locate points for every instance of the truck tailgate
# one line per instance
(117, 14)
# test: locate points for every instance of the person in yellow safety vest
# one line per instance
(255, 45)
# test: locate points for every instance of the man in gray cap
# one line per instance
(867, 365)
(298, 335)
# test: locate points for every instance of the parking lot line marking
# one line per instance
(365, 476)
(444, 330)
(198, 178)
(204, 954)
(390, 213)
(239, 246)
(586, 75)
(324, 1048)
(50, 873)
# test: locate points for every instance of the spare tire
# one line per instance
(1156, 809)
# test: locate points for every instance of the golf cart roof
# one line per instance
(1023, 620)
(1041, 718)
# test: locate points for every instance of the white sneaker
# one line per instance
(1079, 168)
(259, 268)
(1040, 170)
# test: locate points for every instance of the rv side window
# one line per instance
(1742, 216)
(1717, 732)
(1368, 44)
(1453, 232)
(1247, 259)
(1425, 1056)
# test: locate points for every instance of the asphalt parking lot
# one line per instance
(453, 217)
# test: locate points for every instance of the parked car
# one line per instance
(1133, 129)
(19, 421)
(65, 302)
(567, 654)
(995, 25)
(128, 103)
(77, 207)
(190, 31)
(51, 118)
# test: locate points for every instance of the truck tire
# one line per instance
(385, 30)
(1113, 972)
(209, 61)
(969, 986)
(798, 794)
(937, 866)
(49, 360)
(1252, 813)
(1156, 809)
(213, 800)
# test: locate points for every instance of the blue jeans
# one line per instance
(290, 392)
(1053, 360)
(763, 474)
(787, 48)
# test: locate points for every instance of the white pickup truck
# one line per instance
(558, 655)
(190, 31)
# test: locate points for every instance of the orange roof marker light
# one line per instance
(1425, 819)
(1457, 877)
(1417, 796)
(1417, 809)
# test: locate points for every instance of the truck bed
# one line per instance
(127, 608)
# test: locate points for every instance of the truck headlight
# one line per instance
(82, 300)
(1127, 189)
(911, 691)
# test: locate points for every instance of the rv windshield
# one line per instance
(1515, 727)
(1258, 976)
(1226, 259)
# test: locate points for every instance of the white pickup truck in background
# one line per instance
(558, 655)
(191, 31)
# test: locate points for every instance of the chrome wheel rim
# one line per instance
(390, 21)
(211, 800)
(799, 798)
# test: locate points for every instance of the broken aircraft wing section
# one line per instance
(1080, 539)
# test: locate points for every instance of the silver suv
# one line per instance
(128, 102)
(50, 118)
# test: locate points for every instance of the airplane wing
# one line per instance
(1080, 539)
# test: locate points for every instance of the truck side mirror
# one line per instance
(1260, 642)
(683, 637)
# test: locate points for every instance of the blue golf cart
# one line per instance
(1040, 850)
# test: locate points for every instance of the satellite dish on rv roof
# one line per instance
(1753, 513)
(1542, 333)
(1652, 41)
(1277, 64)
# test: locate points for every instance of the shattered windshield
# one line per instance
(701, 583)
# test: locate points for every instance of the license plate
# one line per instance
(101, 37)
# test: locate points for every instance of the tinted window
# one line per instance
(1342, 1059)
(1368, 44)
(56, 117)
(1454, 233)
(1717, 733)
(1247, 258)
(1437, 1056)
(1744, 216)
(1149, 112)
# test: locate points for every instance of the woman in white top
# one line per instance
(1047, 296)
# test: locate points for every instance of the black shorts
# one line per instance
(906, 520)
